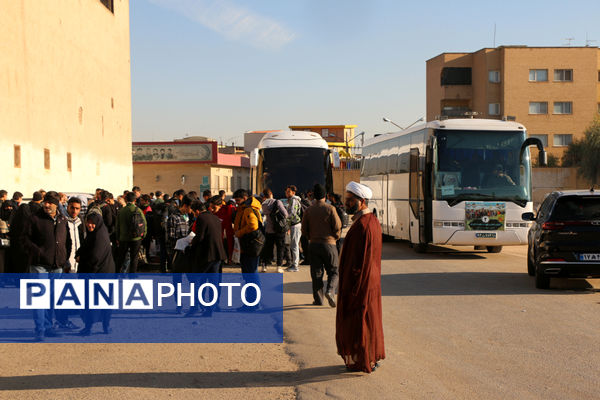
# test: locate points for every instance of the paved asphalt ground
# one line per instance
(458, 325)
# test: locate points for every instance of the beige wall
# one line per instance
(167, 177)
(341, 178)
(546, 180)
(65, 84)
(514, 91)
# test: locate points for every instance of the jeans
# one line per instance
(133, 247)
(277, 240)
(323, 257)
(43, 318)
(295, 233)
(250, 268)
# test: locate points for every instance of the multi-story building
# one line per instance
(192, 164)
(65, 102)
(553, 91)
(337, 136)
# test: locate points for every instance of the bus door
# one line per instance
(415, 197)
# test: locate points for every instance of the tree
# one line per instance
(583, 153)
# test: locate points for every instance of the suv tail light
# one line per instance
(553, 226)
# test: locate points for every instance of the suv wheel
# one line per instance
(530, 264)
(494, 249)
(542, 281)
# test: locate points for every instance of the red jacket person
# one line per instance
(359, 328)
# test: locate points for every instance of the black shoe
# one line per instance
(206, 314)
(51, 333)
(330, 298)
(85, 332)
(107, 331)
(68, 325)
(39, 337)
(178, 310)
(192, 312)
(316, 303)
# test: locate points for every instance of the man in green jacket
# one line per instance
(130, 230)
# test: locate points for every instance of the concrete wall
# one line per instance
(65, 86)
(546, 180)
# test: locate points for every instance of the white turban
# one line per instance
(362, 191)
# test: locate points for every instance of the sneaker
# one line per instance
(68, 325)
(280, 270)
(51, 333)
(85, 332)
(263, 268)
(39, 336)
(292, 269)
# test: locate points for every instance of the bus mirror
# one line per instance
(254, 158)
(336, 159)
(543, 158)
(528, 216)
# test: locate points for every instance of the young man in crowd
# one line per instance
(130, 230)
(47, 240)
(178, 225)
(274, 212)
(294, 210)
(323, 227)
(247, 222)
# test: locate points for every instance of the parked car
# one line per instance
(564, 240)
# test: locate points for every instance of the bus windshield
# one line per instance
(300, 166)
(481, 165)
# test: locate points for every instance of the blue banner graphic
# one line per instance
(141, 308)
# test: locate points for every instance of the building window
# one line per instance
(325, 133)
(494, 109)
(17, 156)
(563, 107)
(109, 4)
(538, 75)
(542, 137)
(46, 159)
(494, 76)
(563, 75)
(538, 107)
(562, 140)
(456, 76)
(69, 162)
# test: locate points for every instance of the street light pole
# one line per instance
(392, 122)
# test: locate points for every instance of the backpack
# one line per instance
(136, 225)
(280, 222)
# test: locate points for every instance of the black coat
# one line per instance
(95, 253)
(47, 241)
(207, 245)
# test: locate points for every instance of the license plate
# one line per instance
(589, 257)
(486, 235)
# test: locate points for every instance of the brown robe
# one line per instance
(359, 328)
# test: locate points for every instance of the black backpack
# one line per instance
(280, 222)
(136, 225)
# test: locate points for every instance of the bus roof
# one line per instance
(292, 139)
(465, 124)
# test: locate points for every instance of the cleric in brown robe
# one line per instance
(359, 328)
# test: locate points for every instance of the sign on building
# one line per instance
(174, 152)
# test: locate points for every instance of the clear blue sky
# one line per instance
(218, 68)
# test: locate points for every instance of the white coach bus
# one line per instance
(284, 158)
(462, 182)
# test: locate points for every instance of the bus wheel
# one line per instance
(494, 249)
(420, 247)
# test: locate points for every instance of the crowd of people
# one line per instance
(53, 233)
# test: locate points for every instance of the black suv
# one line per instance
(564, 240)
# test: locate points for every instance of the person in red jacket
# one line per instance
(225, 214)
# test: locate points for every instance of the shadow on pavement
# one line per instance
(177, 380)
(400, 250)
(474, 283)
